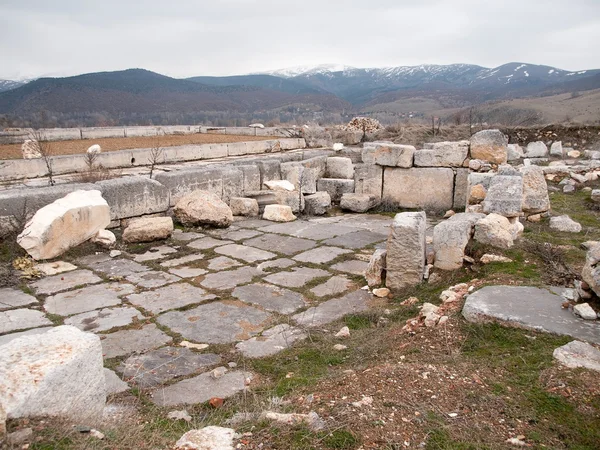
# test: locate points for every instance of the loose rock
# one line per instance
(203, 208)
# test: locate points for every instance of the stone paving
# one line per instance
(252, 289)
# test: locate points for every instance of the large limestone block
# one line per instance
(65, 223)
(490, 146)
(335, 187)
(536, 150)
(535, 191)
(494, 230)
(427, 188)
(278, 213)
(358, 202)
(148, 229)
(203, 208)
(58, 373)
(387, 154)
(340, 167)
(317, 204)
(368, 179)
(443, 154)
(405, 259)
(134, 196)
(461, 183)
(591, 270)
(504, 196)
(303, 178)
(514, 152)
(243, 206)
(450, 239)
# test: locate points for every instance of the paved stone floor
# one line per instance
(256, 287)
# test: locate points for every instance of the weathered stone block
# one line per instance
(134, 196)
(406, 251)
(450, 239)
(427, 188)
(203, 207)
(182, 182)
(443, 154)
(317, 204)
(385, 154)
(148, 229)
(504, 196)
(335, 187)
(243, 206)
(461, 183)
(368, 179)
(535, 191)
(536, 150)
(358, 202)
(490, 146)
(339, 167)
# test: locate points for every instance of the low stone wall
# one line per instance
(19, 135)
(17, 169)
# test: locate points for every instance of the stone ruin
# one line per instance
(261, 218)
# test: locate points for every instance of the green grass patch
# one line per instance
(340, 439)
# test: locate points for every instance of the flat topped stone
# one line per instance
(578, 354)
(271, 341)
(152, 279)
(229, 279)
(252, 223)
(181, 236)
(6, 338)
(309, 230)
(125, 342)
(287, 245)
(354, 266)
(188, 272)
(114, 385)
(104, 319)
(297, 277)
(155, 253)
(169, 297)
(63, 282)
(222, 263)
(217, 322)
(321, 255)
(334, 309)
(119, 268)
(21, 319)
(358, 239)
(87, 299)
(239, 235)
(92, 260)
(270, 298)
(200, 389)
(206, 243)
(54, 268)
(244, 252)
(183, 260)
(528, 307)
(14, 298)
(157, 366)
(281, 263)
(335, 285)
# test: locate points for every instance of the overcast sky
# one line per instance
(183, 38)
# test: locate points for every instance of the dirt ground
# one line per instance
(13, 151)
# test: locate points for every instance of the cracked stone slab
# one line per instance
(245, 253)
(155, 253)
(229, 279)
(87, 298)
(21, 319)
(309, 230)
(252, 223)
(158, 366)
(183, 260)
(334, 309)
(239, 235)
(335, 285)
(54, 268)
(270, 298)
(152, 279)
(530, 308)
(188, 272)
(64, 281)
(201, 389)
(206, 243)
(15, 298)
(298, 277)
(114, 385)
(287, 245)
(281, 263)
(6, 338)
(104, 319)
(577, 354)
(353, 266)
(125, 342)
(120, 268)
(356, 240)
(222, 263)
(170, 297)
(217, 322)
(92, 260)
(271, 341)
(321, 255)
(181, 236)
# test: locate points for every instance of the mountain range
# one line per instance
(136, 94)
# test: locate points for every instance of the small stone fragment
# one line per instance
(381, 292)
(180, 415)
(585, 311)
(343, 333)
(489, 258)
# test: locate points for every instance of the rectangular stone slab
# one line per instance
(530, 308)
(427, 188)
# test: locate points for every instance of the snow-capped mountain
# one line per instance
(291, 72)
(7, 85)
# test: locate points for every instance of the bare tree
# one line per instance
(156, 156)
(46, 150)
